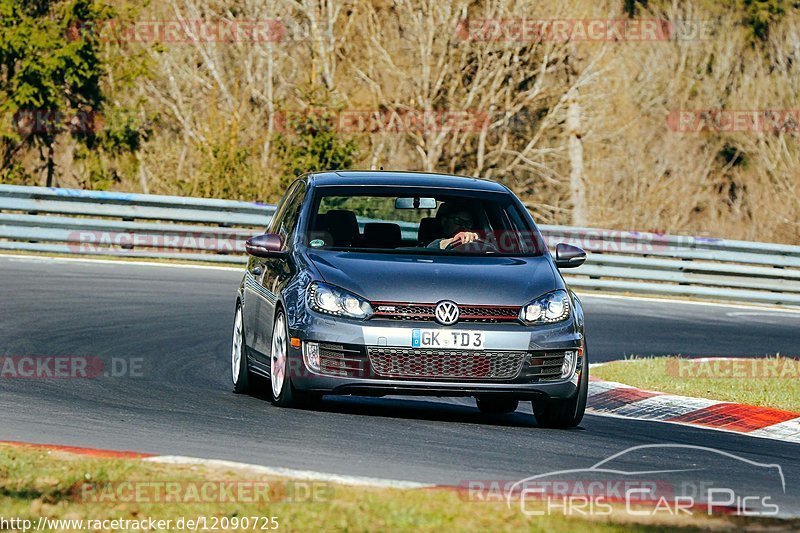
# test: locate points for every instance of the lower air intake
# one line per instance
(444, 364)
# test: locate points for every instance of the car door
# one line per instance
(254, 277)
(276, 272)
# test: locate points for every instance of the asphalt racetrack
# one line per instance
(173, 325)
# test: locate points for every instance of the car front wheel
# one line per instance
(283, 393)
(240, 372)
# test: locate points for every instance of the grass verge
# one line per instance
(36, 482)
(767, 382)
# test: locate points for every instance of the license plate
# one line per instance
(443, 338)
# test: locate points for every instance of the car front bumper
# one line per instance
(357, 337)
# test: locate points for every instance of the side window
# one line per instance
(291, 213)
(280, 210)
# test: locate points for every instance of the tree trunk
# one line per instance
(51, 165)
(142, 173)
(577, 191)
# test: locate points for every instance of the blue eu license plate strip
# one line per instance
(415, 338)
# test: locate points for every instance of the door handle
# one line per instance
(257, 271)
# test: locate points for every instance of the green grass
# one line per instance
(767, 382)
(36, 482)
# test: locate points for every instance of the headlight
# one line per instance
(331, 300)
(552, 307)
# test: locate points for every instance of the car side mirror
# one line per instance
(568, 256)
(266, 245)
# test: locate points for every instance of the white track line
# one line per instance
(51, 259)
(738, 305)
(309, 475)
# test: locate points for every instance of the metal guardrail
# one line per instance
(67, 221)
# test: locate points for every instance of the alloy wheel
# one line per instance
(277, 368)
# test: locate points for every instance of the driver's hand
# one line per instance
(462, 237)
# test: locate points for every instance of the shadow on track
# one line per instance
(460, 410)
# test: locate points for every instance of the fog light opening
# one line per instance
(311, 355)
(570, 359)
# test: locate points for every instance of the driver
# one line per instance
(458, 222)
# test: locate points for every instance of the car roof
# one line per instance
(402, 179)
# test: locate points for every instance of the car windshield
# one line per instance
(428, 221)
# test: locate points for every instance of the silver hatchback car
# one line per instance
(376, 283)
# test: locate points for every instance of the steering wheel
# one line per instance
(479, 242)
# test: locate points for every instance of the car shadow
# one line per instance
(461, 410)
(455, 410)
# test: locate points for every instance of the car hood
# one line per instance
(428, 279)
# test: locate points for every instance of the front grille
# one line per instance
(444, 364)
(425, 312)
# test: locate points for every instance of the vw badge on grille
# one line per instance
(446, 313)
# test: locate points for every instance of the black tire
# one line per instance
(497, 406)
(565, 413)
(287, 395)
(242, 378)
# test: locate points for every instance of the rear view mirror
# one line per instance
(568, 256)
(415, 203)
